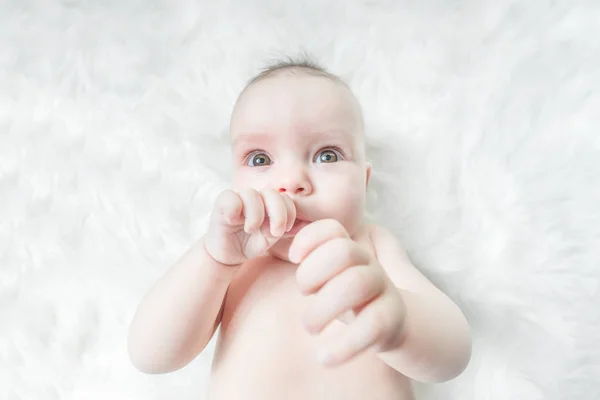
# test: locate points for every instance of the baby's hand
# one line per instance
(245, 225)
(345, 278)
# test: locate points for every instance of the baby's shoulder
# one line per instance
(367, 237)
(382, 240)
(387, 246)
(375, 232)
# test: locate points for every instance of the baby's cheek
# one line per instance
(348, 208)
(248, 180)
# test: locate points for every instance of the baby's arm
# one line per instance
(178, 317)
(436, 342)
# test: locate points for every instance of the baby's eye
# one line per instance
(259, 160)
(326, 156)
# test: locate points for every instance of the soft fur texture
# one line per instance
(483, 119)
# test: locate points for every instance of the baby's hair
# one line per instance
(298, 65)
(293, 66)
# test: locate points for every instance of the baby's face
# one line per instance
(303, 135)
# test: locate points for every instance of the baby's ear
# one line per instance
(368, 174)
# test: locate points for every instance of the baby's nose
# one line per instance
(299, 186)
(296, 190)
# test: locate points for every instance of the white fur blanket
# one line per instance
(484, 126)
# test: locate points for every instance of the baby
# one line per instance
(311, 301)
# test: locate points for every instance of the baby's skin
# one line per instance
(312, 302)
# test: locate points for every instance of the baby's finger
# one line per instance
(228, 209)
(369, 329)
(351, 289)
(291, 211)
(328, 260)
(254, 209)
(276, 211)
(314, 235)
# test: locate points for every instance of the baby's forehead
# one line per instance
(298, 100)
(267, 136)
(293, 84)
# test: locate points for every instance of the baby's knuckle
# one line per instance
(341, 248)
(303, 279)
(359, 275)
(344, 246)
(357, 254)
(248, 193)
(378, 324)
(309, 321)
(334, 227)
(225, 197)
(339, 228)
(226, 205)
(358, 280)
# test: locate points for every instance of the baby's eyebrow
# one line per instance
(243, 140)
(259, 139)
(331, 134)
(251, 137)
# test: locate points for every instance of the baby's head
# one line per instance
(299, 129)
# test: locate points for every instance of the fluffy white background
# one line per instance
(483, 118)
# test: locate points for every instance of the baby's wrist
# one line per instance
(219, 259)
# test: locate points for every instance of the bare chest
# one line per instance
(263, 350)
(264, 304)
